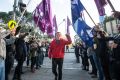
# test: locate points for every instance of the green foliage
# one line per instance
(4, 16)
(8, 16)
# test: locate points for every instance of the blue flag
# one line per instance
(76, 8)
(84, 31)
(79, 25)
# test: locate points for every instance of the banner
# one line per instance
(42, 17)
(100, 6)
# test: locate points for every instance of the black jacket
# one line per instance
(21, 49)
(116, 53)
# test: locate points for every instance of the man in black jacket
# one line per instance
(21, 51)
(116, 59)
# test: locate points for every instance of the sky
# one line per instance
(62, 9)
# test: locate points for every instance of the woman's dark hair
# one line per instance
(17, 30)
(102, 34)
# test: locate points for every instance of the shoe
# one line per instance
(37, 67)
(87, 69)
(91, 73)
(94, 76)
(17, 79)
(33, 70)
(78, 62)
(40, 66)
(83, 68)
(55, 77)
(22, 72)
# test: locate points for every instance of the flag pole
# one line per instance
(111, 5)
(90, 16)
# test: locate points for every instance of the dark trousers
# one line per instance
(85, 62)
(27, 61)
(77, 57)
(18, 69)
(33, 62)
(94, 69)
(9, 61)
(8, 66)
(57, 64)
(105, 66)
(117, 70)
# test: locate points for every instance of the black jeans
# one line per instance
(57, 62)
(8, 66)
(77, 57)
(105, 65)
(85, 62)
(33, 62)
(18, 69)
(27, 62)
(116, 66)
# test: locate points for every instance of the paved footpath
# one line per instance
(71, 70)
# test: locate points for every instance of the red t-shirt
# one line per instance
(57, 50)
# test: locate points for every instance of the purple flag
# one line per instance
(100, 6)
(103, 2)
(38, 17)
(55, 23)
(68, 25)
(42, 17)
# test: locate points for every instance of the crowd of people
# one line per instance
(104, 54)
(14, 48)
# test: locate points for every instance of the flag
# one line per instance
(42, 17)
(101, 19)
(68, 25)
(55, 23)
(38, 17)
(79, 25)
(100, 6)
(84, 31)
(76, 8)
(103, 2)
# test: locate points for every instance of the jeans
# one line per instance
(41, 58)
(98, 66)
(2, 69)
(94, 69)
(57, 64)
